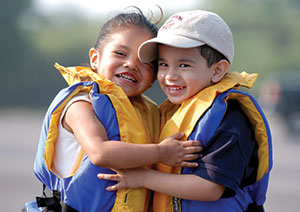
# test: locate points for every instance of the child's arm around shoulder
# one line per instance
(185, 186)
(81, 120)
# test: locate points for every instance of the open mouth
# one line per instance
(175, 88)
(126, 77)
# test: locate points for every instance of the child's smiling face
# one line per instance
(182, 73)
(118, 61)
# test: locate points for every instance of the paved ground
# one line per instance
(19, 132)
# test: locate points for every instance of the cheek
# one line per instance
(105, 69)
(101, 70)
(149, 74)
(148, 80)
(195, 86)
(160, 76)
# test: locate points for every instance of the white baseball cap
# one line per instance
(191, 29)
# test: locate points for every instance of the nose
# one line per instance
(171, 75)
(131, 63)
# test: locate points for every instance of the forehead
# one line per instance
(128, 34)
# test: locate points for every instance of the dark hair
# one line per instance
(133, 18)
(211, 55)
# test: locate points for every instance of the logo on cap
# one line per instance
(171, 22)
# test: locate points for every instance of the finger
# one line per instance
(191, 157)
(114, 187)
(112, 177)
(193, 149)
(177, 136)
(189, 164)
(191, 143)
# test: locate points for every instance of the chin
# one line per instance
(175, 101)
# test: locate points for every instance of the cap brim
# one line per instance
(147, 51)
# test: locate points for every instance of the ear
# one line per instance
(94, 58)
(219, 70)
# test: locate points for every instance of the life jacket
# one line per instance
(205, 112)
(133, 122)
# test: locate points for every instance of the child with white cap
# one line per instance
(194, 50)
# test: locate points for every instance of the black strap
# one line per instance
(66, 208)
(50, 202)
(176, 204)
(255, 208)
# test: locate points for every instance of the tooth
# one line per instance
(127, 77)
(175, 88)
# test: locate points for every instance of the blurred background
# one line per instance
(35, 34)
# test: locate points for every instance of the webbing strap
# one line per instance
(66, 208)
(255, 208)
(51, 202)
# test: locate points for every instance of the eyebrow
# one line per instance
(186, 60)
(122, 46)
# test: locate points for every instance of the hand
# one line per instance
(126, 178)
(176, 153)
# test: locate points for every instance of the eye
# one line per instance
(184, 65)
(120, 53)
(163, 64)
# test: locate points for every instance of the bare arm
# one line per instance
(90, 133)
(179, 185)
